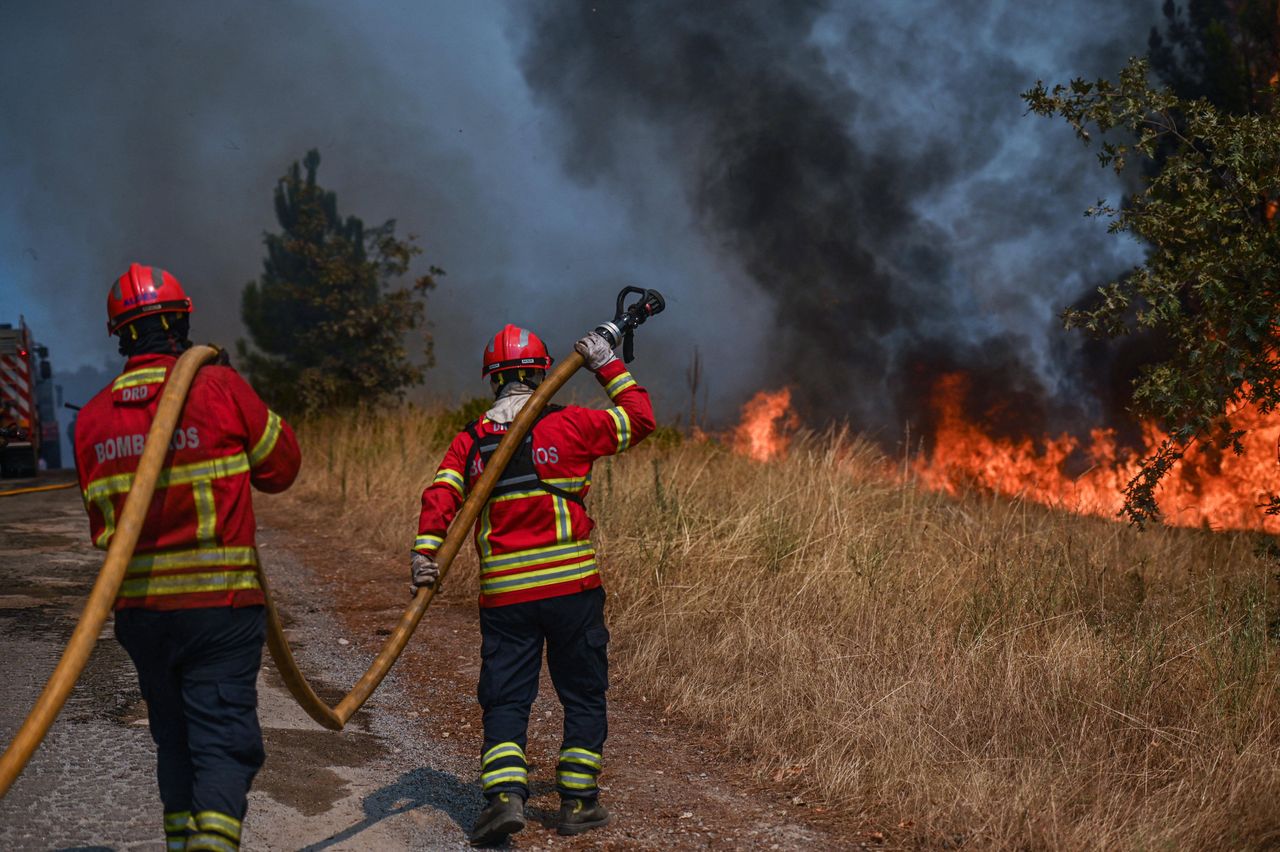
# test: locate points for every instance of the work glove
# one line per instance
(424, 573)
(595, 350)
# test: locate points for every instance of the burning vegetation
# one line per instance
(1210, 487)
(939, 671)
(768, 422)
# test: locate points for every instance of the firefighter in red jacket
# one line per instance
(190, 610)
(539, 581)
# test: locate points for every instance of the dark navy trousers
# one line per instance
(512, 637)
(198, 671)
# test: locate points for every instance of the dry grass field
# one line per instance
(976, 672)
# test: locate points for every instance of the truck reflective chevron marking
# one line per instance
(15, 372)
(28, 404)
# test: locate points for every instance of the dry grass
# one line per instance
(977, 672)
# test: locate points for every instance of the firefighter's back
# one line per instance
(197, 543)
(190, 610)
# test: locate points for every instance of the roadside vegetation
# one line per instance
(977, 672)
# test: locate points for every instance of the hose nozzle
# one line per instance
(627, 317)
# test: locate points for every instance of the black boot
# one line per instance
(502, 816)
(579, 815)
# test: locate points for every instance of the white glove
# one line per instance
(596, 351)
(424, 573)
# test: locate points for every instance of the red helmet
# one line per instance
(515, 347)
(143, 290)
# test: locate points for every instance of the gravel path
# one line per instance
(377, 785)
(403, 773)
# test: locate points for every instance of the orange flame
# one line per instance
(767, 423)
(1209, 487)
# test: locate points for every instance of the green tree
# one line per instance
(327, 329)
(1210, 283)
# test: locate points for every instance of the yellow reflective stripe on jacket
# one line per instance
(482, 536)
(535, 555)
(108, 510)
(184, 584)
(107, 485)
(173, 560)
(206, 510)
(267, 442)
(178, 475)
(451, 477)
(622, 421)
(428, 542)
(560, 508)
(198, 474)
(535, 579)
(520, 495)
(146, 376)
(572, 484)
(618, 384)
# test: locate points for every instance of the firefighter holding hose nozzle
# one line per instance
(539, 582)
(190, 610)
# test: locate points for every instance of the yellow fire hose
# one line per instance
(13, 492)
(129, 526)
(335, 717)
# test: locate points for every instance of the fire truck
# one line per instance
(28, 406)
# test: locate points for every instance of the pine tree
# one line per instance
(327, 329)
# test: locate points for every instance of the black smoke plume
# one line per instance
(867, 166)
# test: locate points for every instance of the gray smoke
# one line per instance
(155, 132)
(843, 196)
(868, 167)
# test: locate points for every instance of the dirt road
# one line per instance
(403, 774)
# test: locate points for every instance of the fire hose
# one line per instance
(138, 500)
(35, 489)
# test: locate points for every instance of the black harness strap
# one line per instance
(521, 473)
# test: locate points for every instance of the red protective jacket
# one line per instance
(197, 543)
(534, 544)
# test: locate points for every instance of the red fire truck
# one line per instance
(25, 435)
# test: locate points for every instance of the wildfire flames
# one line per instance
(1208, 487)
(766, 427)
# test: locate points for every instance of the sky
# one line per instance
(822, 190)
